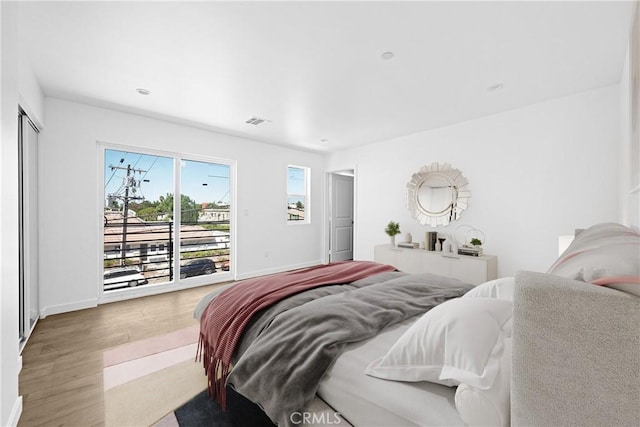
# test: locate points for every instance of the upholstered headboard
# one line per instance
(576, 345)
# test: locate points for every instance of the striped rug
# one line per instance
(146, 380)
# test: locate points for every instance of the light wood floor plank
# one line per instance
(61, 378)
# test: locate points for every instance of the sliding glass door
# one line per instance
(153, 238)
(204, 218)
(138, 214)
(28, 261)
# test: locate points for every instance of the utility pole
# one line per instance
(129, 182)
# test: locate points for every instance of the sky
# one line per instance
(296, 186)
(158, 170)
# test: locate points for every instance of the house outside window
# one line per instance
(298, 195)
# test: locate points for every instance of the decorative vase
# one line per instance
(446, 246)
(408, 238)
(438, 246)
(449, 245)
(393, 240)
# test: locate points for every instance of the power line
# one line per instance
(112, 175)
(136, 163)
(150, 167)
(115, 170)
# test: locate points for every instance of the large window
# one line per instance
(152, 237)
(297, 194)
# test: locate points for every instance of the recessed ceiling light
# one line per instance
(495, 87)
(142, 91)
(387, 55)
(324, 140)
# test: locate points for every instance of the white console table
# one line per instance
(470, 269)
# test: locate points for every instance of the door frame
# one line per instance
(28, 159)
(328, 210)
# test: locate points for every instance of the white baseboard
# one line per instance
(64, 308)
(253, 274)
(16, 412)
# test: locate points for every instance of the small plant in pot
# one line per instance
(475, 242)
(393, 229)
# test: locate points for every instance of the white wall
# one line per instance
(14, 89)
(30, 96)
(69, 196)
(623, 176)
(629, 190)
(535, 173)
(9, 401)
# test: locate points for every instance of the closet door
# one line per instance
(28, 223)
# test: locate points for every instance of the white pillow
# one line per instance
(458, 341)
(490, 407)
(499, 288)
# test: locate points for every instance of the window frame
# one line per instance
(176, 283)
(307, 195)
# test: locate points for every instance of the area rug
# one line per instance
(146, 380)
(197, 412)
(201, 411)
(156, 382)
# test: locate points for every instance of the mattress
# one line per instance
(367, 401)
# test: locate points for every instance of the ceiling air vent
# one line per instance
(256, 121)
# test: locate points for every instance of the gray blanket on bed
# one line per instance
(290, 349)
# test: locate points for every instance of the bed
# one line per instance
(439, 351)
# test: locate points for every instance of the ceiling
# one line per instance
(314, 69)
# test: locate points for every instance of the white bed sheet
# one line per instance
(367, 401)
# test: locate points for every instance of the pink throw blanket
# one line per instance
(226, 317)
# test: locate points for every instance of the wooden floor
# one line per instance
(61, 378)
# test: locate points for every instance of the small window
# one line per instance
(298, 194)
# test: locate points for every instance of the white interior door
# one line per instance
(341, 242)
